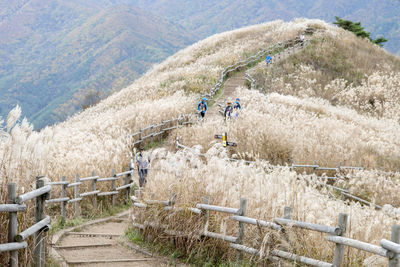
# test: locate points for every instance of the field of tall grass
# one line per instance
(276, 127)
(268, 189)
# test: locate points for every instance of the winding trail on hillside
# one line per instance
(102, 243)
(230, 85)
(238, 80)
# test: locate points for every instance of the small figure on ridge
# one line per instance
(268, 59)
(202, 107)
(142, 164)
(228, 111)
(236, 107)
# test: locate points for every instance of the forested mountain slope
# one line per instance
(53, 53)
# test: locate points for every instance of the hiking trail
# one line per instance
(101, 243)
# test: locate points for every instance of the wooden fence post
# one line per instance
(39, 249)
(137, 194)
(63, 194)
(314, 168)
(339, 249)
(12, 223)
(287, 213)
(140, 134)
(205, 213)
(76, 195)
(151, 133)
(94, 188)
(161, 128)
(113, 187)
(395, 237)
(239, 239)
(128, 180)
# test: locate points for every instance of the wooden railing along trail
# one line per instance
(389, 249)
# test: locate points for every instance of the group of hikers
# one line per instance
(142, 159)
(231, 110)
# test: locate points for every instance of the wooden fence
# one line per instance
(17, 204)
(287, 45)
(315, 167)
(153, 131)
(41, 195)
(389, 249)
(289, 49)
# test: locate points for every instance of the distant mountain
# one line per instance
(207, 17)
(53, 52)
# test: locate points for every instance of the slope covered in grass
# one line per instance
(52, 54)
(275, 127)
(342, 69)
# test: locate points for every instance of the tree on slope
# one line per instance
(358, 30)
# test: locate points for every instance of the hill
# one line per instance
(274, 127)
(52, 55)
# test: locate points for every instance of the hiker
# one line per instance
(202, 107)
(301, 40)
(228, 110)
(268, 59)
(142, 163)
(236, 107)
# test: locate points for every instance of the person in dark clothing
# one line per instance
(202, 107)
(142, 164)
(228, 110)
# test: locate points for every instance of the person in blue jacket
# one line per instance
(237, 105)
(268, 59)
(202, 107)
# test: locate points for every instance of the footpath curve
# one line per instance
(100, 242)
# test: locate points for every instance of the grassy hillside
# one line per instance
(273, 127)
(52, 54)
(342, 69)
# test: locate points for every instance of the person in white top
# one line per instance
(142, 164)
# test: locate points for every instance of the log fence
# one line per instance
(153, 131)
(17, 241)
(321, 179)
(389, 249)
(41, 195)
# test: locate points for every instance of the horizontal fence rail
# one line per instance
(344, 192)
(335, 234)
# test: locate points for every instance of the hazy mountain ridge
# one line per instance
(99, 49)
(379, 17)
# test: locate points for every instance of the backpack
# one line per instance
(202, 106)
(228, 111)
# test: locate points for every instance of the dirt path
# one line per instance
(237, 80)
(230, 85)
(100, 245)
